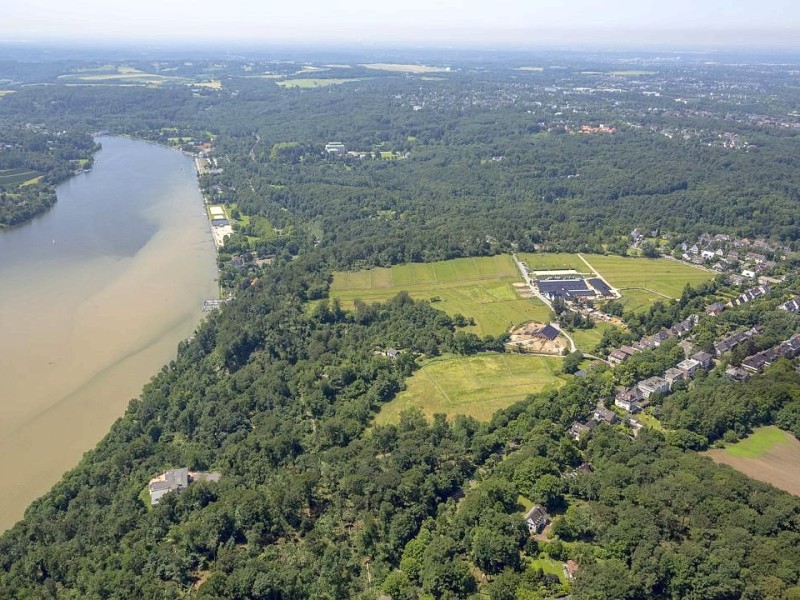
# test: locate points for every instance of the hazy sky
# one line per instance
(439, 22)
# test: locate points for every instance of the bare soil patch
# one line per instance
(524, 339)
(780, 465)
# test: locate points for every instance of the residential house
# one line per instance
(704, 358)
(578, 431)
(755, 363)
(732, 341)
(336, 148)
(737, 373)
(392, 353)
(751, 294)
(637, 235)
(792, 306)
(653, 385)
(715, 309)
(618, 357)
(628, 399)
(689, 366)
(708, 254)
(673, 376)
(601, 413)
(174, 480)
(536, 519)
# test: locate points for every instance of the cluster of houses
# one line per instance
(636, 398)
(728, 253)
(730, 343)
(787, 349)
(750, 295)
(600, 415)
(623, 353)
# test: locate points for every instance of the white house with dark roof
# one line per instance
(537, 519)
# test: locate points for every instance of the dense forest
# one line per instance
(278, 390)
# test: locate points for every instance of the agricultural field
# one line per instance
(480, 288)
(17, 176)
(118, 76)
(553, 261)
(643, 281)
(312, 83)
(768, 454)
(403, 68)
(476, 385)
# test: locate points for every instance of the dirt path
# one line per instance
(599, 276)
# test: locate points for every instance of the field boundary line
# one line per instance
(440, 390)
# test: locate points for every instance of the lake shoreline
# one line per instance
(98, 293)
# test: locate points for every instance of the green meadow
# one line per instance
(481, 288)
(476, 385)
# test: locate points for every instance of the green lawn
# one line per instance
(549, 567)
(476, 385)
(758, 443)
(663, 276)
(587, 339)
(649, 420)
(480, 288)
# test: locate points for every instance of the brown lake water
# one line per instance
(94, 297)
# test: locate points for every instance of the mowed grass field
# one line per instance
(555, 261)
(633, 277)
(768, 454)
(481, 288)
(476, 385)
(17, 176)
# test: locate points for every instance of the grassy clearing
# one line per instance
(17, 176)
(649, 420)
(312, 83)
(120, 75)
(33, 181)
(476, 386)
(762, 441)
(549, 567)
(587, 339)
(214, 84)
(662, 276)
(480, 288)
(553, 262)
(403, 68)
